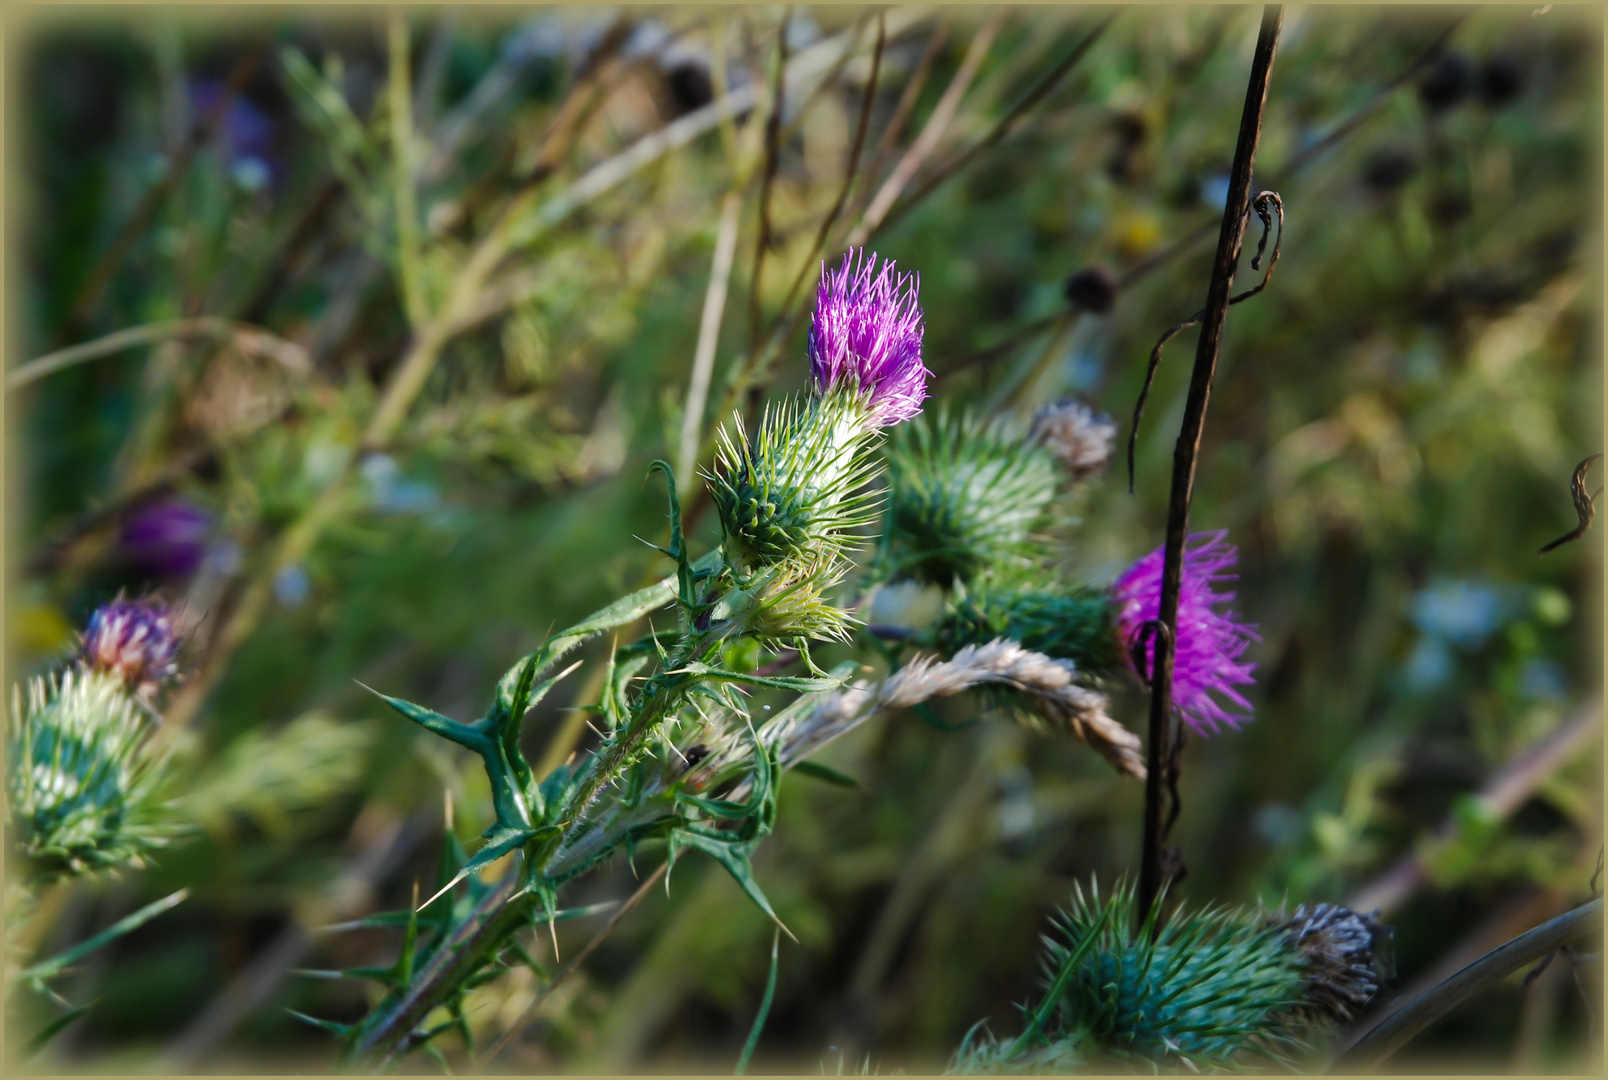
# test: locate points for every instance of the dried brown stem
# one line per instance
(1218, 294)
(931, 133)
(773, 131)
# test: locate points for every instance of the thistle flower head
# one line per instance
(1080, 438)
(1206, 656)
(865, 334)
(964, 497)
(134, 640)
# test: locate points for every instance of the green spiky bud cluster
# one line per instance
(965, 497)
(1210, 988)
(1072, 624)
(795, 491)
(78, 780)
(787, 601)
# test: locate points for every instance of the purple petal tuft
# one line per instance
(867, 326)
(135, 640)
(1210, 642)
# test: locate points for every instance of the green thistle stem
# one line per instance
(388, 1032)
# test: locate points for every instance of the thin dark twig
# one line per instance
(1585, 505)
(580, 958)
(773, 131)
(1218, 295)
(1395, 1030)
(100, 276)
(1262, 204)
(1004, 125)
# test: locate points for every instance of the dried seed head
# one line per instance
(1339, 946)
(1079, 437)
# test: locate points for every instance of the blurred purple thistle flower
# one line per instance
(133, 639)
(167, 539)
(867, 326)
(1206, 660)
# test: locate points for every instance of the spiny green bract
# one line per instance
(1074, 624)
(80, 788)
(796, 490)
(965, 497)
(1212, 987)
(783, 603)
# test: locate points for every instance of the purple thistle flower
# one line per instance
(133, 639)
(867, 326)
(1206, 660)
(166, 539)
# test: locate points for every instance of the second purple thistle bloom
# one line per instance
(867, 326)
(1206, 661)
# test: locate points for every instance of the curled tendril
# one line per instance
(1267, 206)
(1585, 505)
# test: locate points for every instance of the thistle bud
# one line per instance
(1073, 624)
(964, 497)
(1208, 988)
(783, 603)
(134, 641)
(76, 782)
(795, 491)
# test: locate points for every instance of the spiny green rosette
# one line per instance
(79, 786)
(1071, 624)
(965, 497)
(795, 492)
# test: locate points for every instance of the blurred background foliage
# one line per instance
(1390, 440)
